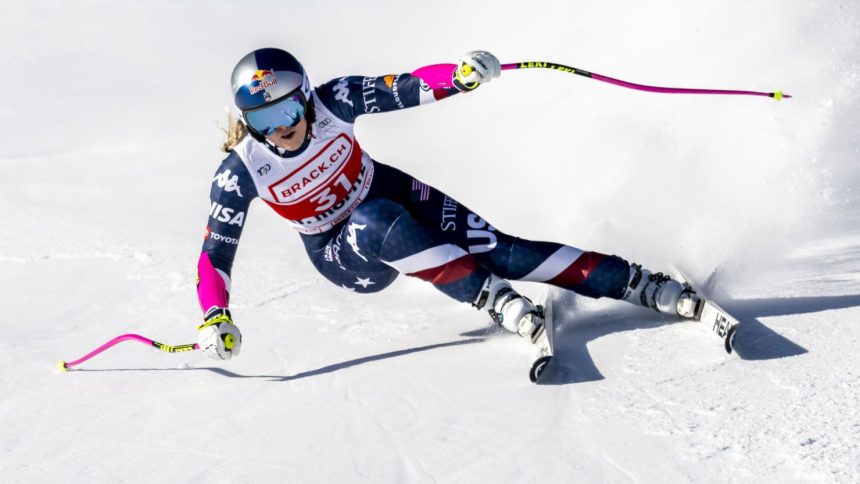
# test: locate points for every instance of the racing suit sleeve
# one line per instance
(230, 196)
(352, 96)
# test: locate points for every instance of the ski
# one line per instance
(544, 343)
(541, 361)
(720, 322)
(715, 318)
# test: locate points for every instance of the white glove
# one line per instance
(218, 337)
(476, 67)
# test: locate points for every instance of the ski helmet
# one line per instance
(266, 77)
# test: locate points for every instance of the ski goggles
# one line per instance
(287, 111)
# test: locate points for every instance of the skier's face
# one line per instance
(289, 139)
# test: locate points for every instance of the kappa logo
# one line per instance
(352, 238)
(341, 92)
(227, 182)
(264, 170)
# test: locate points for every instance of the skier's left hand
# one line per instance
(474, 68)
(218, 337)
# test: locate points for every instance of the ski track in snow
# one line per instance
(104, 208)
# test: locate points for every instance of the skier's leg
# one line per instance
(383, 230)
(422, 232)
(332, 256)
(587, 273)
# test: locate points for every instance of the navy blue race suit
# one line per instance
(363, 222)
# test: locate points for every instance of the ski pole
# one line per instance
(64, 366)
(439, 76)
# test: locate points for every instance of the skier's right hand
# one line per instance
(475, 68)
(218, 337)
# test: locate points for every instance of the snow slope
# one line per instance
(108, 131)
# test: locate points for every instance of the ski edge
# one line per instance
(545, 344)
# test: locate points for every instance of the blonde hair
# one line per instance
(235, 131)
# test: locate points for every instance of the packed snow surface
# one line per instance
(108, 143)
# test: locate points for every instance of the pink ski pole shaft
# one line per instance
(439, 75)
(63, 365)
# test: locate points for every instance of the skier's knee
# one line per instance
(372, 222)
(388, 231)
(377, 213)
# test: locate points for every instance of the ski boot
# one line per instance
(511, 310)
(661, 293)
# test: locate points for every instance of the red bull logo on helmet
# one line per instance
(262, 79)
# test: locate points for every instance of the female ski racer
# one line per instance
(363, 222)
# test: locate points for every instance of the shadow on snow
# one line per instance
(573, 331)
(754, 341)
(319, 371)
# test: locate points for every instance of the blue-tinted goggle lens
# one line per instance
(288, 112)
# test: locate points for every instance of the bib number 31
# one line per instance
(331, 194)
